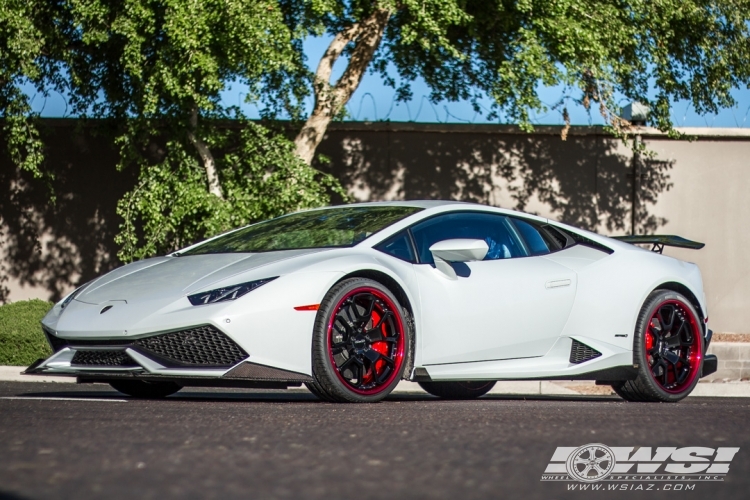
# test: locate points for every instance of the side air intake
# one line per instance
(102, 358)
(580, 352)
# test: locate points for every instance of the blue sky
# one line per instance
(375, 101)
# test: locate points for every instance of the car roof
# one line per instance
(435, 207)
(407, 203)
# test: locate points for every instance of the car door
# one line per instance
(512, 304)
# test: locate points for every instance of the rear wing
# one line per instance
(659, 241)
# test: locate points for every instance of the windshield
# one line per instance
(333, 227)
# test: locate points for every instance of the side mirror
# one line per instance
(457, 250)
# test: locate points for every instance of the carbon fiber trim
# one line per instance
(253, 371)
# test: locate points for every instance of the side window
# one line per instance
(534, 240)
(496, 230)
(398, 246)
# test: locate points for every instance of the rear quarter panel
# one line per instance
(612, 291)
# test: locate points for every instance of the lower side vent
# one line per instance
(102, 358)
(580, 352)
(202, 345)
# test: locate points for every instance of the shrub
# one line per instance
(21, 339)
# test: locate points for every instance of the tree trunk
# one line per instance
(330, 99)
(214, 185)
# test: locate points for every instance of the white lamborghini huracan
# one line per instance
(349, 300)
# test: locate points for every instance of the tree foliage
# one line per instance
(157, 69)
(655, 52)
(260, 177)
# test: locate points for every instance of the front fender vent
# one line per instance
(580, 352)
(200, 346)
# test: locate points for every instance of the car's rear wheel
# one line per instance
(668, 349)
(145, 390)
(360, 343)
(458, 390)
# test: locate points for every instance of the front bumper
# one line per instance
(187, 356)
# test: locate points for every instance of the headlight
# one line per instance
(227, 293)
(72, 295)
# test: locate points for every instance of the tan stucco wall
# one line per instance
(694, 189)
(710, 202)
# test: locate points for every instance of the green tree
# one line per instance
(651, 51)
(27, 38)
(155, 69)
(159, 68)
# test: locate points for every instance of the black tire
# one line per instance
(335, 381)
(145, 390)
(318, 394)
(653, 383)
(458, 390)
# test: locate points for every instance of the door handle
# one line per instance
(557, 283)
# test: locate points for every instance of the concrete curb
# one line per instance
(734, 389)
(13, 374)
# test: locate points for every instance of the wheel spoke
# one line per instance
(350, 364)
(656, 327)
(682, 375)
(686, 343)
(659, 368)
(346, 363)
(378, 336)
(338, 345)
(372, 355)
(666, 317)
(685, 335)
(386, 359)
(365, 317)
(673, 341)
(377, 327)
(344, 323)
(671, 357)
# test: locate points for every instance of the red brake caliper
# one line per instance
(649, 341)
(381, 347)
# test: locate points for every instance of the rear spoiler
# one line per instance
(659, 241)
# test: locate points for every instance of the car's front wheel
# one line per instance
(668, 349)
(458, 390)
(360, 343)
(145, 390)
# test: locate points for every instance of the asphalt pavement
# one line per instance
(61, 441)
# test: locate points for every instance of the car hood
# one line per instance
(173, 277)
(144, 294)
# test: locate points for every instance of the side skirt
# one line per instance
(606, 375)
